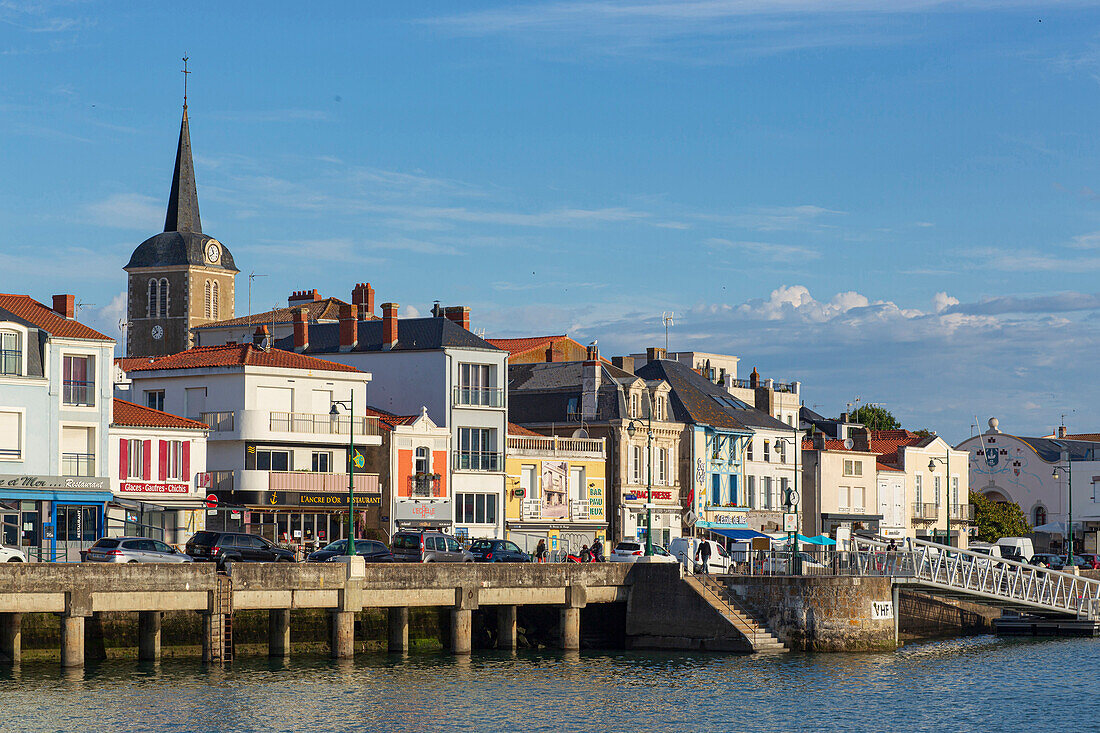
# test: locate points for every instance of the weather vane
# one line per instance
(185, 72)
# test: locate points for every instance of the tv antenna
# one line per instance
(82, 304)
(251, 276)
(667, 317)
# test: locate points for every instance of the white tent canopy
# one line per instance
(1052, 528)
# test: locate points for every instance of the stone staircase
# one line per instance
(716, 595)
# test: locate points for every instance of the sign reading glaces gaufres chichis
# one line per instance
(155, 488)
(49, 483)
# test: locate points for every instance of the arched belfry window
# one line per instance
(214, 302)
(162, 299)
(151, 305)
(209, 302)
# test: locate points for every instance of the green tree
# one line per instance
(996, 519)
(876, 418)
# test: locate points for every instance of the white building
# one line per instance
(158, 474)
(438, 364)
(278, 459)
(55, 409)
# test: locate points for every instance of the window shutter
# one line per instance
(186, 473)
(123, 459)
(163, 459)
(147, 460)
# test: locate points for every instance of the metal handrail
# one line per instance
(704, 581)
(479, 396)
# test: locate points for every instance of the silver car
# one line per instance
(133, 549)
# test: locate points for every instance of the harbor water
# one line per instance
(971, 684)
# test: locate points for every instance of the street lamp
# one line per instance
(1069, 490)
(630, 430)
(947, 470)
(335, 412)
(791, 501)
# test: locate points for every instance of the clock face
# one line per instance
(158, 332)
(213, 251)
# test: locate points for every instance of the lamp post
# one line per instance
(791, 501)
(335, 412)
(1069, 490)
(630, 430)
(947, 470)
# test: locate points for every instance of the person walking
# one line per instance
(703, 556)
(540, 551)
(597, 550)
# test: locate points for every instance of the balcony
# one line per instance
(218, 421)
(11, 362)
(78, 464)
(961, 513)
(221, 480)
(477, 461)
(552, 445)
(425, 486)
(320, 482)
(929, 512)
(479, 397)
(78, 393)
(531, 509)
(322, 424)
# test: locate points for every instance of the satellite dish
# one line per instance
(580, 433)
(848, 443)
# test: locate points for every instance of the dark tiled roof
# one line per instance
(695, 399)
(327, 309)
(230, 355)
(29, 310)
(1050, 449)
(130, 415)
(413, 334)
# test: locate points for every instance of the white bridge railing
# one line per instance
(980, 576)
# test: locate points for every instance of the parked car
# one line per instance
(226, 547)
(498, 551)
(1092, 561)
(1044, 559)
(631, 550)
(133, 549)
(12, 554)
(1019, 549)
(369, 550)
(686, 551)
(1078, 561)
(778, 563)
(428, 546)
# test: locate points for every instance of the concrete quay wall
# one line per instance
(822, 614)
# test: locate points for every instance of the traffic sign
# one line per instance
(211, 501)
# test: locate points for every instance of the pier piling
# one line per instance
(398, 629)
(72, 641)
(11, 637)
(149, 635)
(278, 632)
(506, 627)
(343, 634)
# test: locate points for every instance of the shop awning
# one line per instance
(738, 534)
(818, 540)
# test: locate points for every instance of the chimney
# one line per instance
(389, 325)
(301, 330)
(727, 382)
(362, 297)
(861, 439)
(1061, 431)
(553, 354)
(626, 363)
(259, 337)
(349, 333)
(818, 441)
(303, 296)
(592, 353)
(65, 305)
(591, 379)
(754, 378)
(459, 314)
(653, 354)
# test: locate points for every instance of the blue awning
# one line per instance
(818, 540)
(739, 534)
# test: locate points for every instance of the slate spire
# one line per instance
(183, 203)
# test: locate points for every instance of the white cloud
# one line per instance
(767, 250)
(943, 301)
(410, 311)
(128, 211)
(105, 319)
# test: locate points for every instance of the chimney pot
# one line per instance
(301, 330)
(459, 314)
(389, 325)
(65, 305)
(303, 296)
(362, 297)
(349, 336)
(861, 439)
(818, 441)
(259, 336)
(654, 354)
(1062, 431)
(754, 378)
(626, 363)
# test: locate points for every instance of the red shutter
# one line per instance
(186, 474)
(163, 459)
(123, 459)
(147, 460)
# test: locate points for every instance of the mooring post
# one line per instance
(278, 632)
(343, 634)
(506, 627)
(399, 629)
(11, 637)
(149, 623)
(576, 598)
(72, 641)
(462, 636)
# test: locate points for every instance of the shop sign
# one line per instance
(295, 498)
(129, 486)
(658, 495)
(738, 519)
(85, 483)
(416, 510)
(336, 499)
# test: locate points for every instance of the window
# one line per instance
(767, 451)
(858, 498)
(162, 298)
(77, 451)
(716, 489)
(476, 508)
(152, 302)
(214, 302)
(1040, 516)
(734, 498)
(154, 398)
(662, 466)
(781, 450)
(750, 491)
(936, 488)
(955, 490)
(853, 467)
(659, 409)
(766, 488)
(635, 402)
(422, 460)
(578, 489)
(636, 464)
(573, 409)
(917, 488)
(477, 450)
(11, 436)
(272, 460)
(748, 449)
(208, 307)
(528, 481)
(322, 462)
(11, 355)
(475, 386)
(173, 467)
(79, 376)
(783, 491)
(790, 420)
(135, 458)
(842, 493)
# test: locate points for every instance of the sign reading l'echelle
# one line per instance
(47, 483)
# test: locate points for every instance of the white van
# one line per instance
(1019, 549)
(686, 549)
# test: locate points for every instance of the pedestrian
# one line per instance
(586, 554)
(540, 551)
(703, 556)
(597, 550)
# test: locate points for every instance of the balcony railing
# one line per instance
(321, 482)
(477, 461)
(11, 362)
(479, 396)
(553, 445)
(218, 421)
(531, 509)
(578, 509)
(78, 393)
(221, 480)
(962, 512)
(78, 464)
(322, 424)
(926, 511)
(425, 486)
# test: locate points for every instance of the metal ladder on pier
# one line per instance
(222, 635)
(755, 632)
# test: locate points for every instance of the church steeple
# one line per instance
(183, 203)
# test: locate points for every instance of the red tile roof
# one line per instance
(523, 345)
(231, 355)
(388, 421)
(47, 318)
(514, 429)
(327, 309)
(131, 415)
(884, 443)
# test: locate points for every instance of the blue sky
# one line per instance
(899, 206)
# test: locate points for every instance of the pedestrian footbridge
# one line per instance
(949, 572)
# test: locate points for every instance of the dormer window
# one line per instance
(11, 354)
(635, 403)
(659, 408)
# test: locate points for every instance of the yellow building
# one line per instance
(555, 491)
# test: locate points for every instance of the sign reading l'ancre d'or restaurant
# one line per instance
(53, 483)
